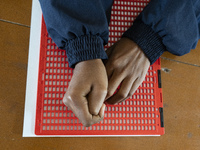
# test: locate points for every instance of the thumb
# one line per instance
(102, 110)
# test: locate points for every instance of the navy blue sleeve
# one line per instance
(166, 25)
(78, 26)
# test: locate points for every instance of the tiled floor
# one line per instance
(180, 83)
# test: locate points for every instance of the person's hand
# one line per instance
(126, 66)
(87, 91)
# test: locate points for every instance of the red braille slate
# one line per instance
(140, 115)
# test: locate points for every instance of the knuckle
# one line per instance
(94, 111)
(69, 98)
(66, 100)
(102, 90)
(71, 94)
(122, 95)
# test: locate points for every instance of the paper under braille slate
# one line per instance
(142, 114)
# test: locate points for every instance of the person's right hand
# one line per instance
(87, 91)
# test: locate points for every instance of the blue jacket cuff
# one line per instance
(84, 48)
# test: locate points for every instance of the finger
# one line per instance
(108, 64)
(138, 81)
(113, 83)
(102, 111)
(79, 106)
(135, 85)
(96, 98)
(123, 92)
(109, 69)
(100, 116)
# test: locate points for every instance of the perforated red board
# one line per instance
(139, 115)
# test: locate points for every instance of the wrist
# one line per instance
(89, 63)
(149, 41)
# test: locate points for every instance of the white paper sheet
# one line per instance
(32, 73)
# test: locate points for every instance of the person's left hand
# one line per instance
(126, 66)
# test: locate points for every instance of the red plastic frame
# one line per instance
(138, 115)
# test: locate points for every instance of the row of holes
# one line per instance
(141, 3)
(51, 64)
(122, 19)
(57, 83)
(139, 103)
(116, 108)
(56, 52)
(53, 95)
(125, 13)
(147, 85)
(52, 47)
(105, 121)
(58, 77)
(128, 8)
(118, 29)
(53, 101)
(122, 128)
(132, 115)
(119, 34)
(56, 59)
(114, 25)
(55, 89)
(66, 71)
(143, 97)
(141, 91)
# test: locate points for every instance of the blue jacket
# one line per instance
(81, 27)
